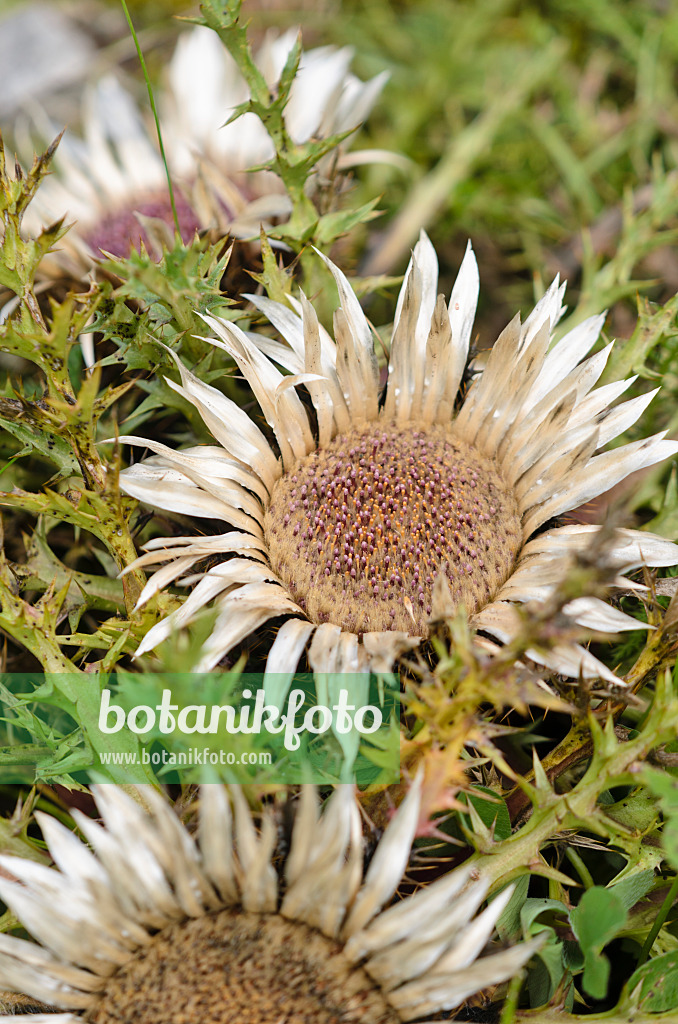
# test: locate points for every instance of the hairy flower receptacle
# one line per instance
(121, 230)
(251, 968)
(361, 529)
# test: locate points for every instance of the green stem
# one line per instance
(581, 868)
(671, 896)
(508, 1013)
(140, 54)
(555, 813)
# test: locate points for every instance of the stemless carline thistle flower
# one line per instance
(155, 927)
(396, 509)
(112, 181)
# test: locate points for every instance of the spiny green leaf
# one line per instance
(289, 72)
(333, 225)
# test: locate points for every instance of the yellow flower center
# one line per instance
(359, 531)
(250, 968)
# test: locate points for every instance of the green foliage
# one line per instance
(596, 919)
(20, 257)
(169, 295)
(654, 986)
(665, 788)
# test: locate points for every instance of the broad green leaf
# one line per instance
(597, 918)
(665, 788)
(508, 923)
(547, 973)
(596, 974)
(532, 908)
(632, 888)
(492, 811)
(657, 984)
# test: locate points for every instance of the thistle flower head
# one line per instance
(155, 926)
(397, 508)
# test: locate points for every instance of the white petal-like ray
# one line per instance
(283, 659)
(530, 438)
(407, 363)
(290, 324)
(163, 577)
(241, 613)
(402, 920)
(257, 879)
(486, 390)
(303, 836)
(467, 947)
(628, 549)
(230, 425)
(180, 858)
(325, 864)
(501, 620)
(159, 549)
(357, 367)
(600, 474)
(509, 401)
(17, 976)
(86, 873)
(566, 355)
(547, 312)
(156, 483)
(462, 311)
(138, 880)
(202, 463)
(44, 1018)
(56, 973)
(235, 573)
(322, 655)
(63, 926)
(410, 958)
(441, 371)
(216, 842)
(437, 992)
(569, 453)
(619, 419)
(388, 863)
(425, 260)
(598, 616)
(284, 414)
(330, 404)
